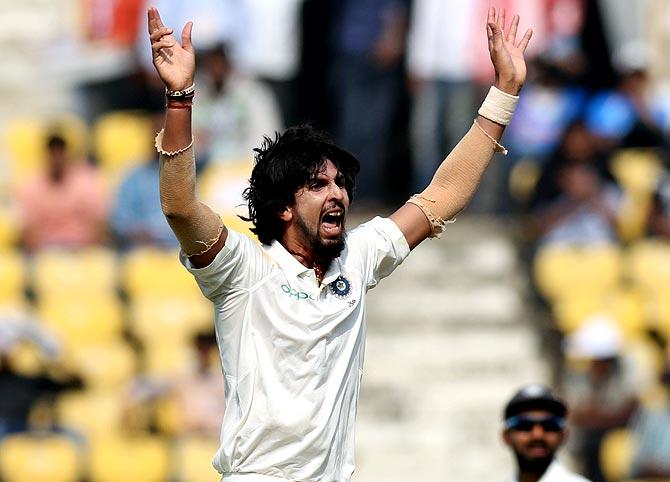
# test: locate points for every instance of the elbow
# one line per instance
(174, 212)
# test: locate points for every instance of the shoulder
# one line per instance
(557, 472)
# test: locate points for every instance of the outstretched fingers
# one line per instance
(495, 35)
(511, 35)
(501, 19)
(523, 43)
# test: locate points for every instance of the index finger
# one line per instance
(154, 19)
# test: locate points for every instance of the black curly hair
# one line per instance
(285, 164)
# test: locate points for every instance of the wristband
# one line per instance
(498, 106)
(187, 93)
(179, 104)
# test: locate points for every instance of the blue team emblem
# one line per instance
(341, 287)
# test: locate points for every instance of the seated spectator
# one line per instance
(600, 388)
(585, 211)
(66, 205)
(658, 222)
(651, 431)
(200, 396)
(24, 386)
(234, 112)
(137, 218)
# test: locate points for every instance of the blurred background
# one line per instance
(558, 272)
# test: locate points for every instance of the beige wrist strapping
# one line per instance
(456, 179)
(498, 106)
(196, 226)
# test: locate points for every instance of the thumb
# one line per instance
(186, 37)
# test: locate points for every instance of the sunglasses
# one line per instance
(526, 424)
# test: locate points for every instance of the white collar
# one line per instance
(295, 269)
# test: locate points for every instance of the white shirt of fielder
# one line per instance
(292, 352)
(556, 473)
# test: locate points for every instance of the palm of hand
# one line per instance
(175, 66)
(174, 63)
(507, 54)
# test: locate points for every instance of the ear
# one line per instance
(286, 214)
(504, 435)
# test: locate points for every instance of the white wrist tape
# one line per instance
(498, 106)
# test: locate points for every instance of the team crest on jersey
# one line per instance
(341, 287)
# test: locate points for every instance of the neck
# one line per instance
(319, 266)
(535, 472)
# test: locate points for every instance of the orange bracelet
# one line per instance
(177, 104)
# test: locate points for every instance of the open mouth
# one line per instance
(332, 222)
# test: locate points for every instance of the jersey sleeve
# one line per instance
(240, 264)
(381, 247)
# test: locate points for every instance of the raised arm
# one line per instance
(457, 178)
(199, 230)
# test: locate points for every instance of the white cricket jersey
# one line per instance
(557, 473)
(292, 352)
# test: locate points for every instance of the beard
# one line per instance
(323, 249)
(533, 466)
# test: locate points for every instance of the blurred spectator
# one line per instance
(233, 112)
(272, 50)
(441, 80)
(535, 430)
(548, 105)
(658, 223)
(600, 388)
(200, 396)
(369, 44)
(651, 431)
(136, 217)
(577, 145)
(112, 21)
(66, 206)
(30, 371)
(585, 211)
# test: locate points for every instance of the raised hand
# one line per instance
(506, 53)
(174, 63)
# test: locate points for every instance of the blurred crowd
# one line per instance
(105, 345)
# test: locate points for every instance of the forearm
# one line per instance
(458, 176)
(196, 226)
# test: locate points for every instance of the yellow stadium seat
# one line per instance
(109, 366)
(155, 319)
(168, 359)
(91, 413)
(25, 138)
(193, 459)
(122, 140)
(523, 180)
(616, 454)
(80, 273)
(637, 171)
(152, 272)
(648, 265)
(129, 459)
(33, 458)
(83, 321)
(560, 271)
(9, 228)
(626, 306)
(12, 277)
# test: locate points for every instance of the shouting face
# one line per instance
(315, 222)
